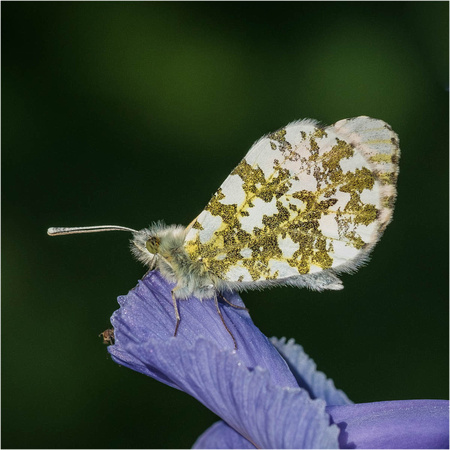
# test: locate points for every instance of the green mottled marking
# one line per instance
(320, 133)
(197, 225)
(387, 177)
(388, 201)
(300, 224)
(356, 240)
(381, 158)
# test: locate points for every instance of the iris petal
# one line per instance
(146, 312)
(307, 375)
(393, 424)
(268, 415)
(220, 435)
(251, 389)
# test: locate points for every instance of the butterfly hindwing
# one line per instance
(303, 200)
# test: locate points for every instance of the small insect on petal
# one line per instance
(108, 336)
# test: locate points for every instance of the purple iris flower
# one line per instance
(268, 393)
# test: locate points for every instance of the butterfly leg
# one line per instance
(232, 304)
(223, 321)
(177, 314)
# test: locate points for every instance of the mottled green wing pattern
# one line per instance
(304, 199)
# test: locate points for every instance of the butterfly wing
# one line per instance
(305, 201)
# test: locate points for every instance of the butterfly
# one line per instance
(305, 204)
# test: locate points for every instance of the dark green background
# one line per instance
(127, 113)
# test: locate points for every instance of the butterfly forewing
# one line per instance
(304, 199)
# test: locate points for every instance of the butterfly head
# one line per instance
(152, 244)
(159, 242)
(145, 246)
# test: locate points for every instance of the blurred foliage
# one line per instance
(130, 112)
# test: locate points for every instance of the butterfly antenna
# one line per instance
(57, 231)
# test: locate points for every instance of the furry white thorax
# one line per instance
(192, 277)
(173, 261)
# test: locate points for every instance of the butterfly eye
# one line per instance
(152, 244)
